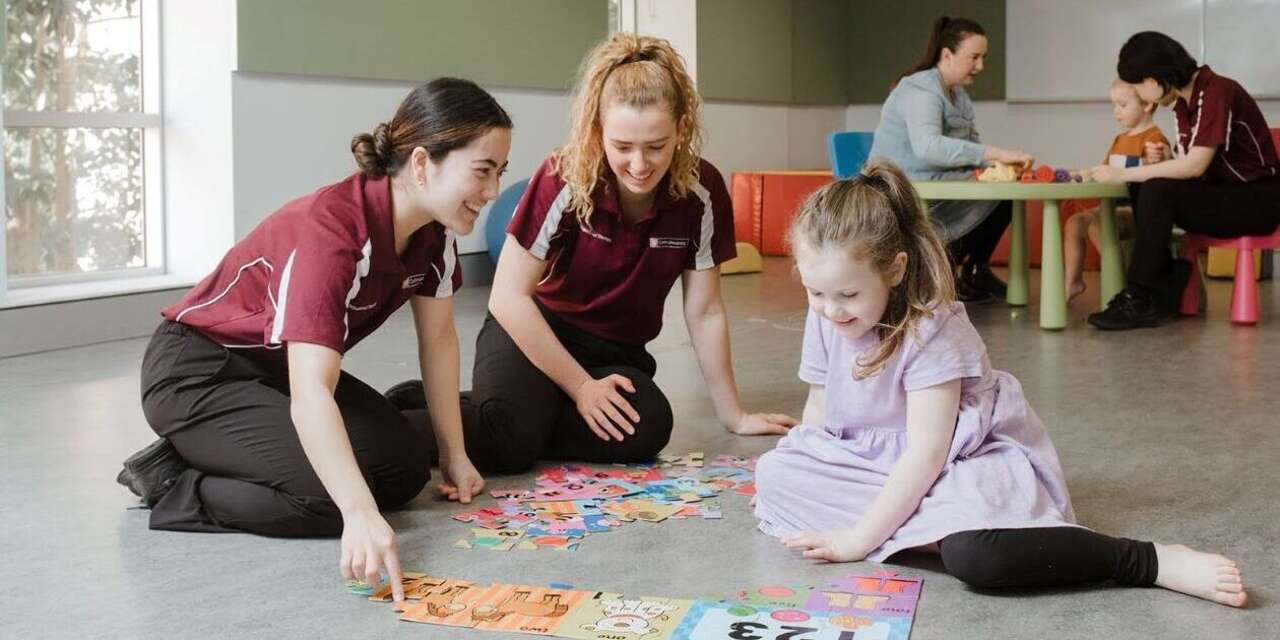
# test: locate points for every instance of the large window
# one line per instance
(81, 141)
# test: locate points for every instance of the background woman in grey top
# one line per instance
(927, 128)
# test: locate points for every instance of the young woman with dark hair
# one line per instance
(261, 430)
(1224, 180)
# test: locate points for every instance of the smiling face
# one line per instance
(844, 289)
(638, 145)
(960, 67)
(455, 189)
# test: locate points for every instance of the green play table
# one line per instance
(1053, 293)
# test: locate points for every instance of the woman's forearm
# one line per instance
(523, 321)
(324, 439)
(439, 361)
(709, 332)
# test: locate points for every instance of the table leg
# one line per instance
(1112, 276)
(1053, 290)
(1019, 273)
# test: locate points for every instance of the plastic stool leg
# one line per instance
(1244, 291)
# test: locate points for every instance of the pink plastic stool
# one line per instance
(1244, 290)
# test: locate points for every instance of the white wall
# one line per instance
(675, 20)
(199, 56)
(1071, 134)
(293, 135)
(752, 137)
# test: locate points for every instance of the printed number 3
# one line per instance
(743, 631)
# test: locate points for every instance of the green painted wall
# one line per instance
(510, 43)
(744, 50)
(819, 51)
(887, 38)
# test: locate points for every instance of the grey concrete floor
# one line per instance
(1168, 434)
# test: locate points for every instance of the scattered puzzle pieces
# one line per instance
(573, 501)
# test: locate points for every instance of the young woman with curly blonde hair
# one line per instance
(608, 223)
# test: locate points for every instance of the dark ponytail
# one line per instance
(440, 116)
(947, 33)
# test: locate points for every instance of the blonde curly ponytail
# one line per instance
(637, 71)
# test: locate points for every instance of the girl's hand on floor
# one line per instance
(607, 413)
(839, 545)
(460, 481)
(763, 424)
(369, 547)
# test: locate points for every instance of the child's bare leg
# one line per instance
(1204, 575)
(1073, 252)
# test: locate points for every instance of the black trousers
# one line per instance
(515, 415)
(1046, 557)
(1220, 210)
(977, 246)
(227, 413)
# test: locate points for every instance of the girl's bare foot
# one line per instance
(1074, 289)
(1204, 575)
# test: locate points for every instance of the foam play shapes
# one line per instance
(495, 227)
(748, 261)
(999, 172)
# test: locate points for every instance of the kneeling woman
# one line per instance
(607, 226)
(261, 431)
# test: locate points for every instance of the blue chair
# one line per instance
(495, 227)
(848, 151)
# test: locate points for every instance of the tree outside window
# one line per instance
(81, 139)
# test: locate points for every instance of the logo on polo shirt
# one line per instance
(668, 243)
(414, 281)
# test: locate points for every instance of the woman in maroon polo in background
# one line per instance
(607, 225)
(261, 431)
(1224, 181)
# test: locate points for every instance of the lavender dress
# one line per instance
(1002, 471)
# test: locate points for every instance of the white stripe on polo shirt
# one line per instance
(704, 259)
(362, 270)
(445, 288)
(234, 281)
(551, 223)
(277, 325)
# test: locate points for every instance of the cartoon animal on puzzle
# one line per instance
(440, 602)
(631, 616)
(518, 603)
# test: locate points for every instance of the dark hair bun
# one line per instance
(371, 151)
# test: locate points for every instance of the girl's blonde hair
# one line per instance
(875, 216)
(637, 71)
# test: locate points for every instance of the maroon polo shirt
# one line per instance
(1223, 116)
(323, 269)
(612, 278)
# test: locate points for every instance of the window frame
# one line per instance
(150, 121)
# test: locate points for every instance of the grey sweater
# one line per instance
(926, 134)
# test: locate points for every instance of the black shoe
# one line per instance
(1128, 310)
(407, 395)
(968, 291)
(982, 278)
(151, 472)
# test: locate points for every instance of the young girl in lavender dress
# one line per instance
(910, 440)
